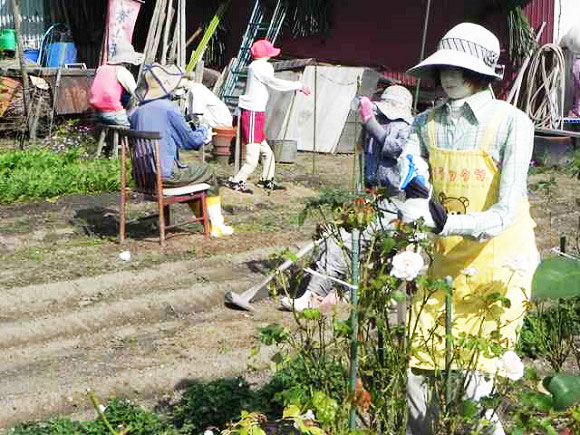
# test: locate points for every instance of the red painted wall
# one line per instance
(377, 33)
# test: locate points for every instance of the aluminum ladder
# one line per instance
(258, 27)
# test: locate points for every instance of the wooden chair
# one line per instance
(143, 150)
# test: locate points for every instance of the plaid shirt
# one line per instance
(512, 151)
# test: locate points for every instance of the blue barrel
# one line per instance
(53, 54)
(32, 55)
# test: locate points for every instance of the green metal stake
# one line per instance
(448, 338)
(354, 322)
(354, 291)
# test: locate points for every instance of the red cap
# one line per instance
(263, 48)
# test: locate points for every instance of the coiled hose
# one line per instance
(543, 99)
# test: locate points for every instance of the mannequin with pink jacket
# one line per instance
(111, 80)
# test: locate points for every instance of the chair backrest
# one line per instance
(143, 150)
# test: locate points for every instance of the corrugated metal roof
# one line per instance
(33, 20)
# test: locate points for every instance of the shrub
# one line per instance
(212, 404)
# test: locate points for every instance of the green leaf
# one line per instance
(311, 314)
(565, 389)
(557, 278)
(538, 401)
(291, 411)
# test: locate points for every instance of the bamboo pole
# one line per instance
(168, 23)
(314, 118)
(174, 40)
(149, 41)
(158, 30)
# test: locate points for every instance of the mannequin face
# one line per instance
(454, 84)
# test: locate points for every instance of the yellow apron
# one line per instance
(467, 182)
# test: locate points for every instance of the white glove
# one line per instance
(412, 209)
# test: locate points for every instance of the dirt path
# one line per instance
(74, 316)
(125, 332)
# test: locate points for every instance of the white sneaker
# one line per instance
(307, 300)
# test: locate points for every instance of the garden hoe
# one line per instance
(243, 300)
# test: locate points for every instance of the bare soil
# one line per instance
(74, 316)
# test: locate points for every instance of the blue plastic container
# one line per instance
(53, 54)
(32, 54)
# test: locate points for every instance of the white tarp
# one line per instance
(335, 88)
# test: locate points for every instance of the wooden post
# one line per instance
(150, 37)
(159, 29)
(123, 195)
(199, 71)
(182, 35)
(25, 81)
(169, 21)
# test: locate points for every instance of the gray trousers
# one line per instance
(334, 260)
(423, 408)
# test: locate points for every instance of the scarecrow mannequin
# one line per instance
(571, 41)
(253, 117)
(206, 105)
(575, 110)
(479, 150)
(111, 80)
(387, 124)
(158, 113)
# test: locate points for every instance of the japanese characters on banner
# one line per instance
(121, 18)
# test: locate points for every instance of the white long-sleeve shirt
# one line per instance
(126, 79)
(260, 78)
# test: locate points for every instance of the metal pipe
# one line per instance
(422, 55)
(354, 323)
(448, 338)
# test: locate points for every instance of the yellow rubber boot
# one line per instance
(214, 210)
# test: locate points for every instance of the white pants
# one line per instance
(422, 407)
(253, 152)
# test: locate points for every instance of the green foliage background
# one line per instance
(44, 174)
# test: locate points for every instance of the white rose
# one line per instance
(125, 256)
(511, 366)
(407, 265)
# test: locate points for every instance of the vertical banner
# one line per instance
(121, 18)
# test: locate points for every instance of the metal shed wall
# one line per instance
(33, 20)
(539, 11)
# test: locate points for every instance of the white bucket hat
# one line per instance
(125, 53)
(395, 103)
(467, 45)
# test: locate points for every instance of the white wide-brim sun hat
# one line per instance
(467, 45)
